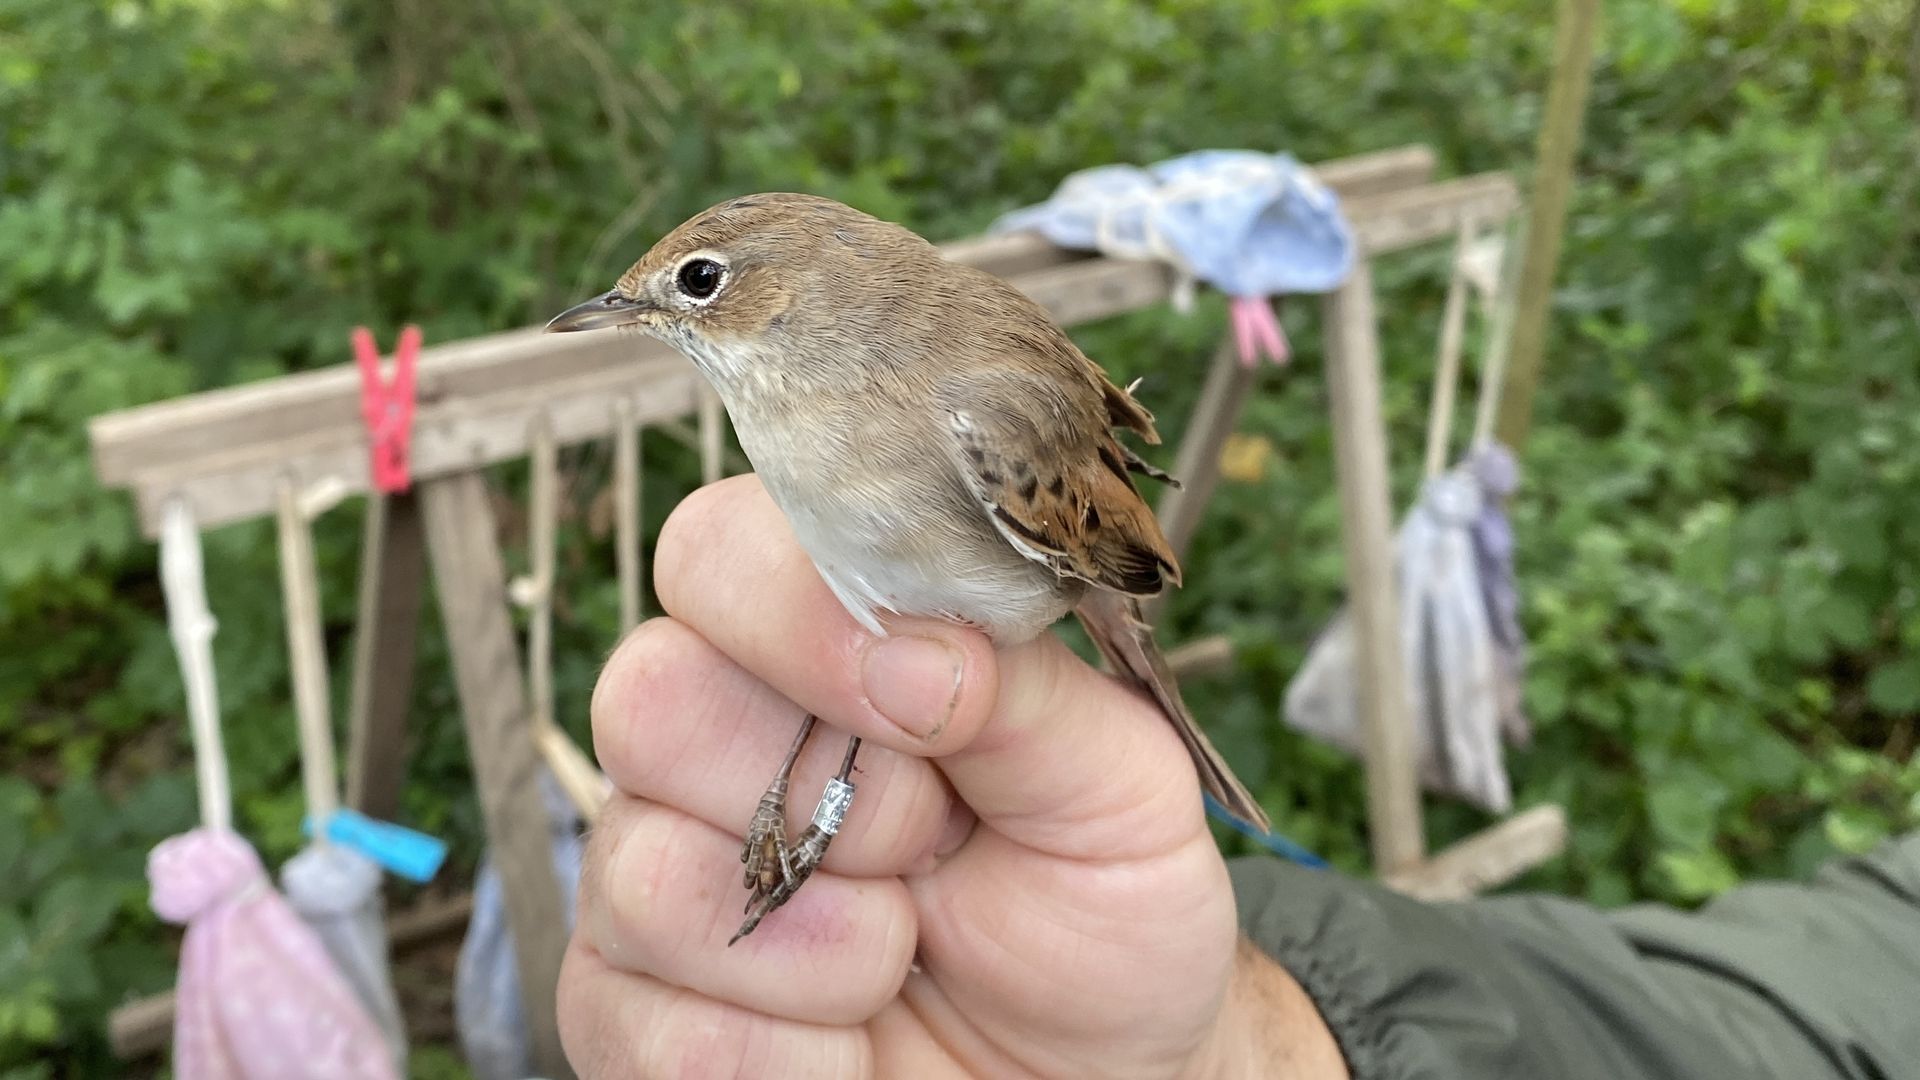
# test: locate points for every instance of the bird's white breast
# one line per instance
(883, 516)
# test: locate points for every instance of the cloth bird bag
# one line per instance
(257, 997)
(487, 1006)
(1459, 625)
(1252, 225)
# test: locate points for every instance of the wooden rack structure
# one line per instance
(486, 400)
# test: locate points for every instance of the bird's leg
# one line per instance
(766, 856)
(812, 848)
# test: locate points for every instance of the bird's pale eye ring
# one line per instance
(699, 279)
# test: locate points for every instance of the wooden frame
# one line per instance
(226, 452)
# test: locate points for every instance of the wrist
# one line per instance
(1268, 1027)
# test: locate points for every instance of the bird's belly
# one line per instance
(884, 561)
(890, 534)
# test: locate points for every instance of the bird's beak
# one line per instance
(607, 309)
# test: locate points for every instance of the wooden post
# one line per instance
(543, 514)
(1446, 377)
(392, 563)
(626, 512)
(472, 586)
(1913, 63)
(1552, 183)
(1360, 458)
(307, 656)
(1197, 465)
(713, 439)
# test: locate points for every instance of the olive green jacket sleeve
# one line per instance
(1768, 982)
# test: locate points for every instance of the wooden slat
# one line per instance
(582, 781)
(1446, 375)
(1488, 858)
(543, 513)
(713, 436)
(392, 579)
(471, 583)
(688, 435)
(1360, 460)
(132, 442)
(307, 656)
(627, 540)
(1197, 465)
(453, 435)
(1377, 172)
(1201, 658)
(1407, 218)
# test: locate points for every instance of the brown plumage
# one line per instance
(939, 444)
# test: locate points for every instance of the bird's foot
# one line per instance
(797, 863)
(766, 853)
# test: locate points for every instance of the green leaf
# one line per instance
(1697, 875)
(1684, 807)
(74, 912)
(1854, 829)
(1895, 685)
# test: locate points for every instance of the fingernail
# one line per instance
(913, 681)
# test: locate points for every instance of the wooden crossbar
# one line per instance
(226, 451)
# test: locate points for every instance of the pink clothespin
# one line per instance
(387, 407)
(1256, 330)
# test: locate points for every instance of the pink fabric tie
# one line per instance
(1257, 330)
(257, 996)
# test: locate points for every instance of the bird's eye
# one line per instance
(700, 277)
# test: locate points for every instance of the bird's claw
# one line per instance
(765, 853)
(797, 865)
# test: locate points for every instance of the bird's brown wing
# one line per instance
(1040, 456)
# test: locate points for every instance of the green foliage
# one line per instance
(1719, 556)
(74, 926)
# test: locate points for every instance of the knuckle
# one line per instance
(698, 1038)
(649, 669)
(688, 538)
(664, 876)
(695, 1041)
(599, 1011)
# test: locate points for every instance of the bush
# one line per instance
(1716, 537)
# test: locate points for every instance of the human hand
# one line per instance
(1025, 885)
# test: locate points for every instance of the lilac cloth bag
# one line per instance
(1454, 684)
(1493, 465)
(257, 996)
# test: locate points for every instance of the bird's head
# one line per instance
(750, 277)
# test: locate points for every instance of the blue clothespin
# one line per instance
(410, 854)
(1273, 842)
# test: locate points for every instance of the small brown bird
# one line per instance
(939, 445)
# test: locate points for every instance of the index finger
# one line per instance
(1044, 749)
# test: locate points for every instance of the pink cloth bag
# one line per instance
(257, 995)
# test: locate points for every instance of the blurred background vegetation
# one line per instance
(1718, 538)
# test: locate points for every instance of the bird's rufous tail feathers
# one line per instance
(1115, 623)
